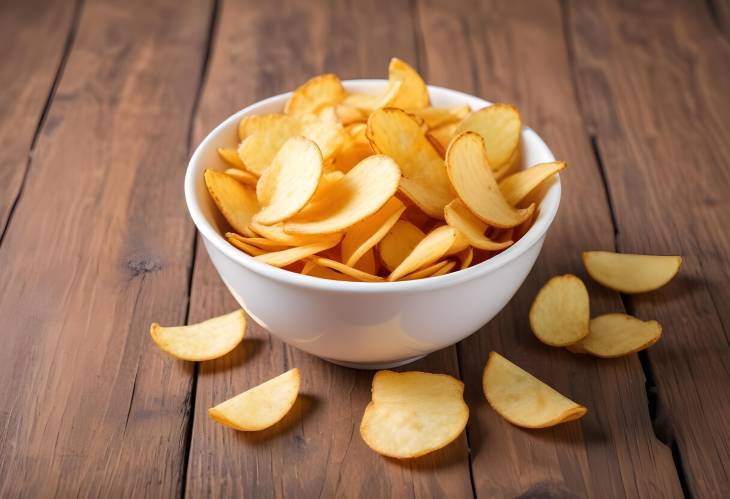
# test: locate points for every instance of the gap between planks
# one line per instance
(67, 44)
(190, 402)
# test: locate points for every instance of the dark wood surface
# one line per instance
(101, 104)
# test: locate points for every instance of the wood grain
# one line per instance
(317, 449)
(33, 39)
(98, 248)
(515, 52)
(653, 81)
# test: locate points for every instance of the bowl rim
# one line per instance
(549, 210)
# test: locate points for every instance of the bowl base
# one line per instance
(374, 366)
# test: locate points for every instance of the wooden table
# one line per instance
(102, 102)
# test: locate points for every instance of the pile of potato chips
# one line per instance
(369, 188)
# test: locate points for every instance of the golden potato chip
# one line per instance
(239, 242)
(429, 250)
(426, 271)
(259, 242)
(291, 255)
(413, 413)
(365, 234)
(616, 335)
(524, 400)
(203, 341)
(517, 186)
(460, 218)
(230, 156)
(348, 114)
(398, 243)
(395, 133)
(522, 229)
(450, 264)
(325, 183)
(288, 184)
(436, 117)
(257, 150)
(275, 233)
(467, 167)
(252, 124)
(465, 257)
(631, 273)
(370, 103)
(359, 194)
(368, 263)
(355, 148)
(316, 94)
(327, 134)
(443, 135)
(345, 269)
(500, 126)
(236, 203)
(242, 176)
(560, 313)
(314, 270)
(261, 406)
(413, 93)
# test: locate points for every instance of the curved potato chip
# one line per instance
(203, 341)
(524, 400)
(436, 117)
(288, 184)
(413, 413)
(398, 243)
(429, 250)
(325, 183)
(466, 164)
(395, 133)
(517, 186)
(500, 126)
(259, 242)
(459, 217)
(466, 257)
(359, 194)
(317, 93)
(327, 134)
(445, 269)
(616, 335)
(242, 176)
(238, 241)
(425, 272)
(236, 203)
(288, 256)
(560, 313)
(367, 233)
(368, 263)
(254, 123)
(348, 114)
(314, 270)
(257, 150)
(355, 148)
(230, 156)
(345, 269)
(276, 234)
(261, 406)
(370, 103)
(631, 273)
(443, 135)
(413, 93)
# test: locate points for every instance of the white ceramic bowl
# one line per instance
(365, 325)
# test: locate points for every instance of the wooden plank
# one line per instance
(653, 81)
(33, 36)
(99, 247)
(515, 52)
(317, 449)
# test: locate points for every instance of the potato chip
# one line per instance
(368, 263)
(359, 194)
(252, 124)
(370, 103)
(398, 243)
(261, 406)
(450, 264)
(459, 217)
(230, 156)
(413, 93)
(259, 242)
(466, 257)
(413, 413)
(345, 269)
(242, 176)
(631, 273)
(365, 234)
(349, 114)
(314, 270)
(517, 186)
(560, 313)
(316, 94)
(436, 117)
(355, 148)
(236, 202)
(426, 271)
(275, 233)
(288, 184)
(257, 150)
(500, 126)
(203, 341)
(429, 250)
(291, 255)
(460, 244)
(443, 135)
(325, 183)
(616, 335)
(239, 242)
(327, 134)
(467, 167)
(524, 400)
(395, 133)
